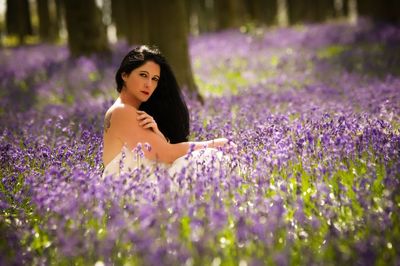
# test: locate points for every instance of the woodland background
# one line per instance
(89, 26)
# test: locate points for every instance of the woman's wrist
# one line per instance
(215, 143)
(212, 143)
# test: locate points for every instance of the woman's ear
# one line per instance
(124, 76)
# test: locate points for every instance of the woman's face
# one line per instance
(142, 81)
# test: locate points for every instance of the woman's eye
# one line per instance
(155, 79)
(143, 75)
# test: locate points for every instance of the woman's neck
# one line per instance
(125, 99)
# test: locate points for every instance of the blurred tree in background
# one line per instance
(130, 18)
(262, 12)
(310, 10)
(230, 13)
(201, 16)
(384, 10)
(168, 24)
(86, 31)
(18, 19)
(48, 26)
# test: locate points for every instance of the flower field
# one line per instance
(314, 179)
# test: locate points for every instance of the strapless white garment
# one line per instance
(128, 161)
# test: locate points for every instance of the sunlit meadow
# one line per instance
(314, 180)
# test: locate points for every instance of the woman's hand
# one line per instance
(147, 121)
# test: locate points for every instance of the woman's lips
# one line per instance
(145, 92)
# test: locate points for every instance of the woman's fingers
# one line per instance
(147, 120)
(143, 116)
(150, 125)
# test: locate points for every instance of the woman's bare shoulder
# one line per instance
(119, 115)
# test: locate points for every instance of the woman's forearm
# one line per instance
(214, 143)
(182, 148)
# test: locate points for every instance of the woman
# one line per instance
(150, 109)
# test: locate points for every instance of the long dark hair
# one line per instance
(166, 105)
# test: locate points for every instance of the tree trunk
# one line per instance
(119, 16)
(46, 21)
(384, 10)
(197, 16)
(230, 13)
(131, 26)
(18, 19)
(86, 31)
(263, 12)
(339, 8)
(327, 9)
(271, 12)
(191, 11)
(208, 18)
(282, 13)
(137, 30)
(296, 10)
(169, 33)
(59, 17)
(310, 10)
(346, 8)
(352, 11)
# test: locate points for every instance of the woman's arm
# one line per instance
(147, 121)
(125, 125)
